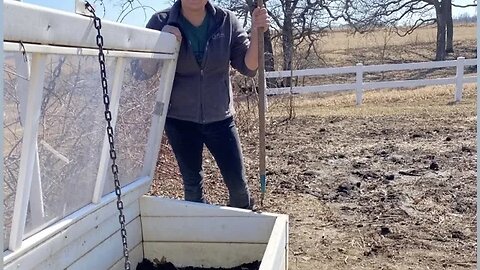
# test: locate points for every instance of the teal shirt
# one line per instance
(196, 36)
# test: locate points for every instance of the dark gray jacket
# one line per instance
(203, 93)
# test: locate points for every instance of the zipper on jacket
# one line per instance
(202, 68)
(202, 116)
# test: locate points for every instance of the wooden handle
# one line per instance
(261, 105)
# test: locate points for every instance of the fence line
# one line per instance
(360, 85)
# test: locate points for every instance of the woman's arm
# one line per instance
(260, 22)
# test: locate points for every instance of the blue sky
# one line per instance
(140, 17)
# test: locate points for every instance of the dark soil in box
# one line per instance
(148, 265)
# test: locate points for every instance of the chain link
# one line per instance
(50, 88)
(110, 133)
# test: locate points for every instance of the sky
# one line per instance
(140, 17)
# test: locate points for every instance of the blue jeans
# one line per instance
(221, 138)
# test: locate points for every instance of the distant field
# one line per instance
(342, 40)
(341, 48)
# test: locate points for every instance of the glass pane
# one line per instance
(14, 85)
(70, 135)
(137, 103)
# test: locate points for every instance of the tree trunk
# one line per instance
(449, 21)
(287, 44)
(269, 60)
(441, 37)
(268, 47)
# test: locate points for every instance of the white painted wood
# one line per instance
(115, 92)
(83, 217)
(359, 85)
(277, 249)
(22, 67)
(151, 206)
(407, 83)
(37, 210)
(410, 66)
(371, 68)
(310, 72)
(471, 62)
(49, 49)
(311, 89)
(136, 256)
(469, 79)
(459, 79)
(28, 151)
(67, 246)
(205, 254)
(67, 29)
(207, 229)
(109, 251)
(159, 116)
(56, 153)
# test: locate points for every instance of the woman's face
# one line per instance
(194, 5)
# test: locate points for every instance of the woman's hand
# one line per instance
(173, 30)
(260, 19)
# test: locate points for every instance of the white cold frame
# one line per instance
(88, 237)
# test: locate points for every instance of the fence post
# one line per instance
(459, 79)
(359, 85)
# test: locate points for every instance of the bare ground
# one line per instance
(388, 185)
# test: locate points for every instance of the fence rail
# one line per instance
(360, 85)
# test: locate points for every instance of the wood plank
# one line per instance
(151, 206)
(27, 161)
(207, 229)
(55, 27)
(87, 218)
(204, 254)
(277, 249)
(67, 246)
(312, 89)
(162, 100)
(55, 50)
(136, 256)
(104, 166)
(407, 83)
(109, 251)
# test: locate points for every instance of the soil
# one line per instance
(387, 185)
(148, 265)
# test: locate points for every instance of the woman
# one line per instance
(201, 109)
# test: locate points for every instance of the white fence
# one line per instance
(360, 85)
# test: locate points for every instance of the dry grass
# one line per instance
(341, 48)
(376, 103)
(343, 40)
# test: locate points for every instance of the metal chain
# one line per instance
(108, 117)
(52, 84)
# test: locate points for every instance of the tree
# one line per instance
(366, 15)
(293, 22)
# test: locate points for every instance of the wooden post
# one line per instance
(459, 79)
(359, 85)
(261, 109)
(28, 155)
